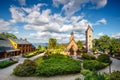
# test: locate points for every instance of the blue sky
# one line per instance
(39, 20)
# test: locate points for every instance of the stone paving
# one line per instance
(115, 66)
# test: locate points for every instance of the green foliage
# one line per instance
(106, 44)
(8, 35)
(94, 65)
(30, 54)
(56, 64)
(96, 76)
(25, 69)
(80, 45)
(78, 79)
(4, 64)
(115, 75)
(52, 43)
(86, 72)
(104, 58)
(88, 57)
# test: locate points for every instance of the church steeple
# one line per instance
(72, 36)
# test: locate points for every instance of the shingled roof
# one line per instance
(21, 41)
(5, 45)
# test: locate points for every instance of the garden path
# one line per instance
(115, 66)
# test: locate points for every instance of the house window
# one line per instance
(89, 35)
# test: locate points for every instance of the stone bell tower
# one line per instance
(89, 39)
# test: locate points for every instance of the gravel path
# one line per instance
(115, 66)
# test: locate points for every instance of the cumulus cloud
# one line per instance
(72, 6)
(117, 35)
(22, 2)
(47, 25)
(61, 37)
(98, 3)
(101, 21)
(99, 35)
(5, 26)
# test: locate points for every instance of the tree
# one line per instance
(8, 35)
(52, 43)
(39, 47)
(80, 45)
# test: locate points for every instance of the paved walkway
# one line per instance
(115, 66)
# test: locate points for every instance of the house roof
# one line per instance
(21, 41)
(5, 45)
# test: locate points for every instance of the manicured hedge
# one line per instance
(57, 64)
(104, 58)
(25, 69)
(94, 65)
(4, 64)
(86, 56)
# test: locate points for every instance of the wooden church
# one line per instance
(72, 47)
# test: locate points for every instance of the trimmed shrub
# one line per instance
(56, 64)
(104, 58)
(25, 69)
(96, 76)
(94, 65)
(88, 57)
(86, 72)
(115, 75)
(4, 64)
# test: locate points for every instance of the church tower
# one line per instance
(89, 39)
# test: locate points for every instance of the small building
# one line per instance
(13, 47)
(6, 49)
(23, 45)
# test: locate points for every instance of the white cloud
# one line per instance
(99, 35)
(49, 25)
(72, 6)
(22, 2)
(5, 26)
(17, 14)
(98, 3)
(101, 21)
(117, 35)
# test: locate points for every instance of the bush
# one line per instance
(88, 57)
(58, 64)
(115, 75)
(4, 64)
(25, 69)
(94, 65)
(104, 58)
(78, 79)
(86, 72)
(96, 76)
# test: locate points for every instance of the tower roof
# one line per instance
(89, 28)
